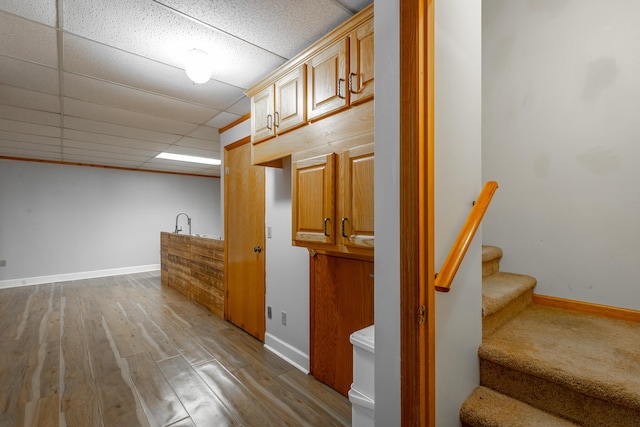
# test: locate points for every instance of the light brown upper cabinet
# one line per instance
(361, 65)
(327, 80)
(280, 106)
(332, 201)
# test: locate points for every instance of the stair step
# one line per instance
(504, 295)
(577, 366)
(491, 256)
(486, 407)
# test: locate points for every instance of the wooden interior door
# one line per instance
(341, 303)
(244, 203)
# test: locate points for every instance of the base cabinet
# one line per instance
(341, 303)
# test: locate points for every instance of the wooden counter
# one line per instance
(194, 266)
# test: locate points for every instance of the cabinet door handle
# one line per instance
(276, 122)
(342, 221)
(269, 122)
(351, 75)
(324, 226)
(340, 81)
(257, 249)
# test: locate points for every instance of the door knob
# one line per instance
(257, 249)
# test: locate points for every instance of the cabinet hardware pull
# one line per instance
(340, 81)
(257, 249)
(342, 221)
(269, 122)
(351, 75)
(276, 122)
(324, 226)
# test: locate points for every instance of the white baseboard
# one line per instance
(29, 281)
(287, 352)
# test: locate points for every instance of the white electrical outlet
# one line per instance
(268, 232)
(284, 318)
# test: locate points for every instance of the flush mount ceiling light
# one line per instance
(192, 159)
(198, 66)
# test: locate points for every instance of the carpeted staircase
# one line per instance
(543, 366)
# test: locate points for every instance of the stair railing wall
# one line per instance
(459, 249)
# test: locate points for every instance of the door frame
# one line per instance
(417, 272)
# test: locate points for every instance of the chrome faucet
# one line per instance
(178, 230)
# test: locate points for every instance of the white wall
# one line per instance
(457, 127)
(457, 184)
(57, 220)
(561, 96)
(287, 267)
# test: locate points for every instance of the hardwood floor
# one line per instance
(125, 351)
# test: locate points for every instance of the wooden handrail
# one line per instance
(459, 248)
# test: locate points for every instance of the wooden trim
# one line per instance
(417, 341)
(90, 165)
(588, 308)
(234, 123)
(460, 246)
(238, 143)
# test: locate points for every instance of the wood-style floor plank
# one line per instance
(126, 351)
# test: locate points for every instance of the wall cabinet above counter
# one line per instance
(330, 78)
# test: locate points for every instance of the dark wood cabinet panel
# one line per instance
(341, 303)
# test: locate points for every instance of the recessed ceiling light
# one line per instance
(192, 159)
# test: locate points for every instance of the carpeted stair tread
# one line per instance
(590, 355)
(488, 408)
(491, 256)
(499, 289)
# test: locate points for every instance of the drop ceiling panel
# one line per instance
(201, 144)
(70, 151)
(149, 29)
(306, 21)
(28, 75)
(36, 139)
(241, 107)
(206, 132)
(99, 92)
(28, 146)
(25, 98)
(116, 130)
(113, 140)
(38, 10)
(174, 166)
(29, 116)
(103, 161)
(31, 154)
(223, 119)
(93, 59)
(104, 148)
(103, 113)
(189, 151)
(27, 40)
(29, 128)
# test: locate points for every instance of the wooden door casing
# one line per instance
(244, 233)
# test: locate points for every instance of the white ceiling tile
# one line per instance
(146, 28)
(29, 146)
(205, 132)
(241, 107)
(259, 22)
(99, 92)
(117, 130)
(38, 10)
(93, 59)
(93, 146)
(355, 5)
(172, 166)
(101, 161)
(30, 154)
(29, 128)
(201, 144)
(25, 98)
(36, 139)
(113, 140)
(27, 40)
(103, 113)
(71, 151)
(27, 75)
(189, 151)
(223, 119)
(29, 116)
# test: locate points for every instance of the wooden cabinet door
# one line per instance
(262, 117)
(290, 99)
(361, 76)
(244, 202)
(326, 80)
(356, 226)
(313, 200)
(341, 303)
